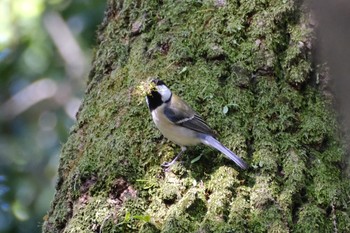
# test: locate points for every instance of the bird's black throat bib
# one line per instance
(154, 100)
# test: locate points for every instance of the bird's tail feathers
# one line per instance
(212, 142)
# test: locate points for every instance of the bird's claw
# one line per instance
(166, 164)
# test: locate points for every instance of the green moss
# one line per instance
(313, 219)
(245, 67)
(239, 210)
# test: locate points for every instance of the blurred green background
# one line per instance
(45, 54)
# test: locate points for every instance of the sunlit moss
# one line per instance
(235, 55)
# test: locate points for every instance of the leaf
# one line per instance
(145, 218)
(196, 159)
(183, 70)
(127, 217)
(225, 110)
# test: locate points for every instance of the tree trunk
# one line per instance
(246, 67)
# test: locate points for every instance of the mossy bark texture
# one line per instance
(246, 67)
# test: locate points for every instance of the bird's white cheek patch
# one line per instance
(164, 92)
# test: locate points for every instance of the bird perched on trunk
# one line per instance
(178, 122)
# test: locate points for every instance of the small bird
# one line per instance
(178, 122)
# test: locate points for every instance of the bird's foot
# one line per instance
(166, 164)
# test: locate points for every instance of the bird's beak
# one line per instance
(151, 87)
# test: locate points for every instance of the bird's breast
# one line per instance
(175, 133)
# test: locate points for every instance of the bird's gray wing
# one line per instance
(198, 124)
(183, 115)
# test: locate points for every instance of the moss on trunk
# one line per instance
(246, 67)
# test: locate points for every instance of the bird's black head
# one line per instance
(159, 94)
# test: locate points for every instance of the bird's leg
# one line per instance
(168, 164)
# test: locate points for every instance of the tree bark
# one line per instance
(246, 67)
